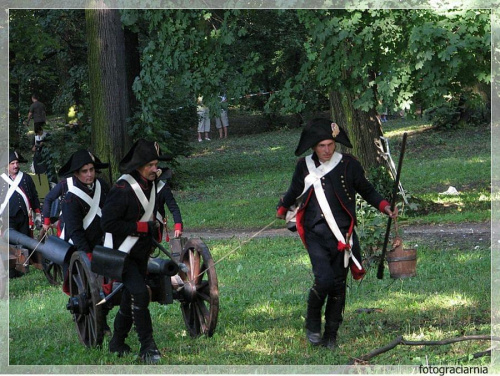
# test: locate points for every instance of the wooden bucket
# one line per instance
(402, 262)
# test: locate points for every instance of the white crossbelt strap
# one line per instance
(308, 181)
(161, 185)
(323, 202)
(316, 173)
(148, 207)
(93, 202)
(14, 187)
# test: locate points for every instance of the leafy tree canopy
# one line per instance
(400, 57)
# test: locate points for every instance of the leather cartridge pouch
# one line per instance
(108, 262)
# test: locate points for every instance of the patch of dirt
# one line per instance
(462, 235)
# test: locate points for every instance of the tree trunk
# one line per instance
(362, 127)
(108, 86)
(132, 64)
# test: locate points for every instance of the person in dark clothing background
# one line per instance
(324, 186)
(37, 112)
(129, 220)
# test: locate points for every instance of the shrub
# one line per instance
(465, 108)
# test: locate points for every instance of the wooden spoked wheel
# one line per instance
(84, 296)
(200, 294)
(53, 272)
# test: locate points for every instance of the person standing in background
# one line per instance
(37, 112)
(203, 120)
(222, 122)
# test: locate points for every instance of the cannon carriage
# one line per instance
(194, 285)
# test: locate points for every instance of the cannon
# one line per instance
(195, 286)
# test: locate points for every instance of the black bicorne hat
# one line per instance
(320, 129)
(14, 155)
(142, 152)
(79, 159)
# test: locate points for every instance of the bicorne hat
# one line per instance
(14, 155)
(140, 153)
(320, 129)
(79, 159)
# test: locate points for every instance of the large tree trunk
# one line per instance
(108, 85)
(362, 127)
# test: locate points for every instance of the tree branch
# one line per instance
(401, 341)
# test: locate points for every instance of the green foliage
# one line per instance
(404, 58)
(463, 109)
(370, 229)
(63, 141)
(171, 132)
(382, 180)
(48, 57)
(371, 223)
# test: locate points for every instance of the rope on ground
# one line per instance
(239, 246)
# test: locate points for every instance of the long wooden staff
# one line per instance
(380, 272)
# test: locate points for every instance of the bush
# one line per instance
(460, 110)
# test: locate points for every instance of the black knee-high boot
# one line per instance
(122, 325)
(313, 317)
(149, 351)
(333, 318)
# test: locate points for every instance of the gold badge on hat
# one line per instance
(157, 147)
(335, 130)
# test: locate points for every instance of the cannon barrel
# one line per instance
(162, 267)
(54, 249)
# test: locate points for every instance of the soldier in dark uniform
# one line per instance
(129, 220)
(20, 196)
(83, 201)
(166, 197)
(324, 185)
(51, 211)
